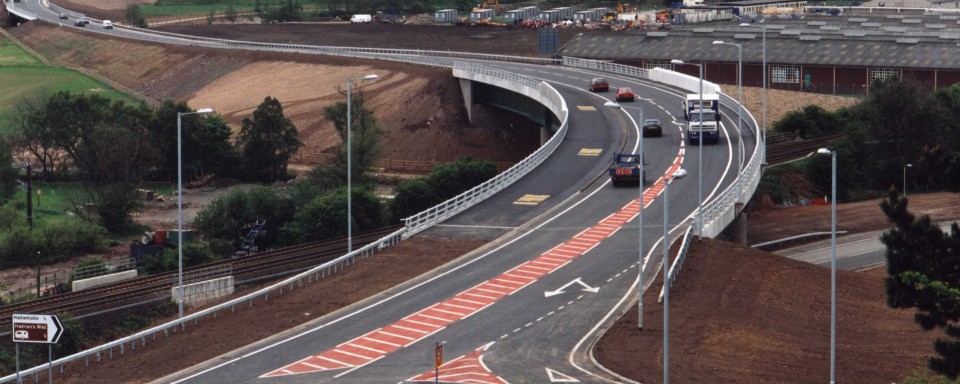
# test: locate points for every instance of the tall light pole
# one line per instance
(739, 99)
(349, 163)
(666, 281)
(700, 152)
(905, 178)
(833, 262)
(180, 115)
(763, 153)
(611, 104)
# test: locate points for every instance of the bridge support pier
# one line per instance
(739, 235)
(466, 87)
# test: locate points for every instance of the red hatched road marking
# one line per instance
(376, 344)
(468, 368)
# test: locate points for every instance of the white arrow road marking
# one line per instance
(557, 377)
(586, 288)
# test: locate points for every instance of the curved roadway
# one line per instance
(527, 307)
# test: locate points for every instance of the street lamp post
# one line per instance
(349, 163)
(700, 152)
(639, 217)
(739, 99)
(905, 178)
(763, 153)
(833, 261)
(666, 281)
(180, 115)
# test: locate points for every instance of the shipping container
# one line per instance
(446, 16)
(482, 14)
(551, 16)
(566, 13)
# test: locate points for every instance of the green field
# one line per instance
(56, 199)
(22, 75)
(200, 7)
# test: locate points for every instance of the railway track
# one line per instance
(793, 150)
(155, 287)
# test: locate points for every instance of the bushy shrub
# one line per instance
(444, 182)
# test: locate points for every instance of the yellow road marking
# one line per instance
(586, 108)
(531, 199)
(590, 152)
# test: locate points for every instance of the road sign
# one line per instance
(36, 329)
(438, 355)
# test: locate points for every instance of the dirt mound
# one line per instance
(738, 315)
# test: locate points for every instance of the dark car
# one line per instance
(624, 94)
(599, 85)
(63, 16)
(81, 22)
(652, 127)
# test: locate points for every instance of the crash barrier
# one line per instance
(720, 211)
(19, 11)
(204, 291)
(787, 240)
(79, 285)
(530, 87)
(121, 345)
(677, 263)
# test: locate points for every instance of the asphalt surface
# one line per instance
(533, 333)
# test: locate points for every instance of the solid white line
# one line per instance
(314, 366)
(381, 342)
(409, 329)
(501, 286)
(470, 301)
(433, 317)
(541, 268)
(450, 312)
(367, 348)
(396, 335)
(333, 361)
(460, 306)
(352, 354)
(422, 323)
(527, 278)
(492, 291)
(479, 295)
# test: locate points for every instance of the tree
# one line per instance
(267, 142)
(231, 13)
(326, 216)
(923, 264)
(134, 16)
(365, 137)
(8, 173)
(230, 216)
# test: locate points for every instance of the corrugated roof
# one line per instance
(848, 42)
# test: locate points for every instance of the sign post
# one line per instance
(437, 360)
(37, 329)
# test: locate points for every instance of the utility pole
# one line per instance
(29, 196)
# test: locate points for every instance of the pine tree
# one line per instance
(923, 264)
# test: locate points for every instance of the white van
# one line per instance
(361, 19)
(107, 24)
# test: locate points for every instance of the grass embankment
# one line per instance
(23, 76)
(166, 8)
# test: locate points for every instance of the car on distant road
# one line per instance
(599, 84)
(107, 24)
(624, 94)
(63, 15)
(652, 127)
(81, 22)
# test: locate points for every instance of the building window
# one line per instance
(883, 73)
(785, 74)
(657, 64)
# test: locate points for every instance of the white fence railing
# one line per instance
(674, 269)
(549, 97)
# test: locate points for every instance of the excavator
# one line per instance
(486, 3)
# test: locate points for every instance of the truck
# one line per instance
(627, 168)
(709, 110)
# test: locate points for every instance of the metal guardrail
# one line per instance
(426, 219)
(678, 262)
(794, 238)
(315, 273)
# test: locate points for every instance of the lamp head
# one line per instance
(371, 76)
(909, 165)
(676, 61)
(205, 110)
(824, 151)
(718, 42)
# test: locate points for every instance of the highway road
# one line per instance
(527, 307)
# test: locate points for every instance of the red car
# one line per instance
(624, 94)
(599, 85)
